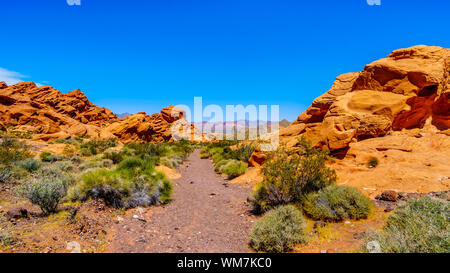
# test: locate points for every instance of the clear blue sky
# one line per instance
(131, 55)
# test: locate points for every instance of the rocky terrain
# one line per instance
(396, 110)
(51, 115)
(387, 129)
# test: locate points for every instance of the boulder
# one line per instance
(16, 213)
(257, 158)
(390, 196)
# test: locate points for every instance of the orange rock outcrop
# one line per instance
(403, 91)
(52, 115)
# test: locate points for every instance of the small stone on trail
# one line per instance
(390, 195)
(139, 218)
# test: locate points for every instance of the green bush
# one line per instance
(216, 158)
(6, 238)
(116, 157)
(48, 157)
(65, 166)
(288, 177)
(46, 193)
(243, 152)
(95, 164)
(55, 172)
(171, 161)
(415, 226)
(94, 147)
(12, 150)
(279, 230)
(29, 164)
(233, 168)
(133, 183)
(336, 203)
(76, 159)
(64, 141)
(5, 174)
(373, 162)
(87, 151)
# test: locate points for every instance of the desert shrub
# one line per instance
(171, 161)
(90, 165)
(106, 163)
(147, 150)
(243, 152)
(373, 162)
(116, 157)
(29, 164)
(12, 150)
(46, 193)
(336, 203)
(64, 141)
(45, 157)
(415, 226)
(55, 172)
(7, 238)
(204, 153)
(216, 158)
(134, 182)
(85, 151)
(48, 157)
(279, 230)
(5, 174)
(233, 168)
(218, 167)
(65, 166)
(94, 147)
(181, 147)
(76, 159)
(288, 177)
(69, 151)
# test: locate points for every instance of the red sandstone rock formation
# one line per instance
(403, 91)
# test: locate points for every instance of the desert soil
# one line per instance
(207, 214)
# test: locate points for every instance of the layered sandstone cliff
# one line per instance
(406, 90)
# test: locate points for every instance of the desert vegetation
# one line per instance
(299, 179)
(415, 226)
(279, 230)
(336, 203)
(122, 178)
(229, 157)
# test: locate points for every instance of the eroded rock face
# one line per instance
(257, 158)
(169, 125)
(51, 114)
(141, 127)
(403, 91)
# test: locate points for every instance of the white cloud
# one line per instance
(11, 77)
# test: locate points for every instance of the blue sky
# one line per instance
(132, 55)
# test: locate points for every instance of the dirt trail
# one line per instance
(207, 214)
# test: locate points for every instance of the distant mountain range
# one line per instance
(211, 127)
